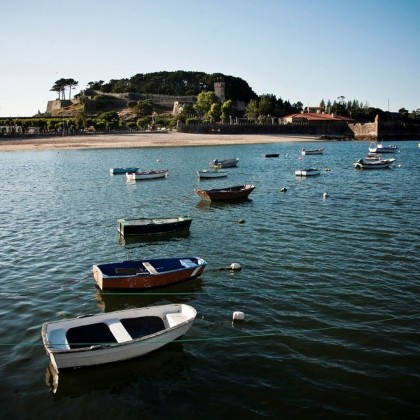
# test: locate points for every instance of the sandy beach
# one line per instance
(134, 140)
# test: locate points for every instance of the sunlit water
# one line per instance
(329, 286)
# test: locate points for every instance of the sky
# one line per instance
(300, 50)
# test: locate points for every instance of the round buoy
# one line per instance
(235, 266)
(157, 160)
(238, 316)
(241, 221)
(326, 195)
(284, 189)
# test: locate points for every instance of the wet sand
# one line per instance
(139, 140)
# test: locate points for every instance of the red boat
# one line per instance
(238, 192)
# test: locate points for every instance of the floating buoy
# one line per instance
(232, 267)
(327, 169)
(284, 189)
(325, 195)
(235, 266)
(157, 160)
(238, 316)
(241, 221)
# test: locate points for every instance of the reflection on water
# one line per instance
(133, 239)
(170, 362)
(178, 293)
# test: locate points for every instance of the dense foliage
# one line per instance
(176, 83)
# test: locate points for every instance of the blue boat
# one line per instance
(120, 171)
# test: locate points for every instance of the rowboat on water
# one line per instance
(305, 152)
(152, 174)
(237, 192)
(307, 172)
(212, 173)
(153, 225)
(121, 171)
(110, 337)
(373, 164)
(147, 274)
(224, 163)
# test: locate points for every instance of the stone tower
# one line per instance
(219, 89)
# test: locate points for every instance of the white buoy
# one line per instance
(284, 189)
(238, 316)
(235, 266)
(326, 195)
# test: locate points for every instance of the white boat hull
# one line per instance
(177, 319)
(217, 173)
(373, 164)
(138, 176)
(307, 172)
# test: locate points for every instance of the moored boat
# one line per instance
(148, 273)
(153, 225)
(380, 148)
(152, 174)
(307, 172)
(225, 194)
(373, 163)
(224, 163)
(305, 152)
(212, 173)
(114, 336)
(122, 171)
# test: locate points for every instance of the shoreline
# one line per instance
(139, 140)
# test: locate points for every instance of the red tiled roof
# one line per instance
(311, 116)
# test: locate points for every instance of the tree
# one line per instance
(214, 112)
(71, 83)
(227, 108)
(144, 108)
(251, 110)
(204, 102)
(60, 87)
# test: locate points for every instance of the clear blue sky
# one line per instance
(300, 50)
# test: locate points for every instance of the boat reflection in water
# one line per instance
(166, 363)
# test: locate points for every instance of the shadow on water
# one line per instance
(179, 293)
(166, 363)
(134, 239)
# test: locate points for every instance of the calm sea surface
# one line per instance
(330, 287)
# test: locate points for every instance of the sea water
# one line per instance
(329, 285)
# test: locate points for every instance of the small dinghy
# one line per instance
(212, 173)
(307, 172)
(110, 337)
(146, 274)
(139, 176)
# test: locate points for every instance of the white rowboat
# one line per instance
(114, 336)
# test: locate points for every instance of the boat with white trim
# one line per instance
(90, 340)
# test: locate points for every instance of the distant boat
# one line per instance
(148, 273)
(225, 194)
(110, 337)
(150, 226)
(224, 163)
(138, 176)
(212, 173)
(119, 171)
(380, 148)
(307, 172)
(272, 155)
(305, 152)
(373, 164)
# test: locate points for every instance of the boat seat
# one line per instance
(149, 267)
(118, 330)
(188, 263)
(58, 339)
(175, 318)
